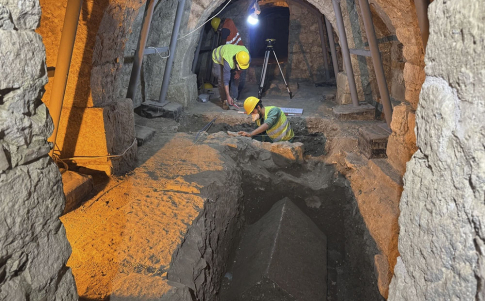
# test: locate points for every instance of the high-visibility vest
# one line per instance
(281, 130)
(227, 53)
(234, 37)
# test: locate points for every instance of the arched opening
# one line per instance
(266, 30)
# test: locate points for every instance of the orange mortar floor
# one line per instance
(123, 239)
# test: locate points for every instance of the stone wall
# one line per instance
(305, 54)
(442, 234)
(93, 110)
(33, 244)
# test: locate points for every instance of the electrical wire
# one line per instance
(100, 157)
(159, 53)
(183, 37)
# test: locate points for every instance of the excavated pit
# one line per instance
(318, 190)
(175, 223)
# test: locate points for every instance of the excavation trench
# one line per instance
(267, 174)
(175, 226)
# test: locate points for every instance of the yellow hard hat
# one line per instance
(215, 23)
(242, 58)
(207, 86)
(250, 103)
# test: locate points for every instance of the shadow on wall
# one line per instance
(94, 120)
(83, 87)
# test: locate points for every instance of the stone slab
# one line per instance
(329, 97)
(373, 141)
(283, 256)
(99, 131)
(364, 111)
(77, 188)
(143, 134)
(384, 170)
(153, 109)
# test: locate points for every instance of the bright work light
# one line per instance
(253, 19)
(254, 11)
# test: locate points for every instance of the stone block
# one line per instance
(402, 142)
(76, 188)
(343, 83)
(23, 58)
(283, 256)
(4, 163)
(143, 134)
(33, 240)
(329, 97)
(5, 18)
(99, 131)
(153, 109)
(350, 112)
(284, 153)
(183, 90)
(344, 98)
(343, 91)
(24, 154)
(373, 141)
(19, 14)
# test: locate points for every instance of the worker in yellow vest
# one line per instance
(273, 126)
(230, 35)
(227, 58)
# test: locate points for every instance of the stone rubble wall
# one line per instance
(33, 244)
(442, 235)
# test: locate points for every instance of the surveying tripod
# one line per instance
(269, 48)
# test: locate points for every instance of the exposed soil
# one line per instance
(314, 142)
(325, 196)
(315, 187)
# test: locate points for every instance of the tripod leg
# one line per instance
(281, 71)
(263, 74)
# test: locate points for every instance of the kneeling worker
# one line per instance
(227, 58)
(273, 126)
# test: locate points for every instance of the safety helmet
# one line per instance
(215, 23)
(250, 103)
(207, 86)
(242, 58)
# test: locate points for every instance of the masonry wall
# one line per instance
(33, 244)
(96, 120)
(442, 207)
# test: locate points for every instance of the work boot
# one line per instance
(225, 106)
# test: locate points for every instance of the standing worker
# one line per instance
(228, 30)
(273, 126)
(227, 58)
(230, 35)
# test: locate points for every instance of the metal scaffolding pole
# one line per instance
(333, 51)
(140, 50)
(376, 59)
(197, 51)
(422, 12)
(63, 64)
(214, 42)
(324, 46)
(173, 47)
(345, 52)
